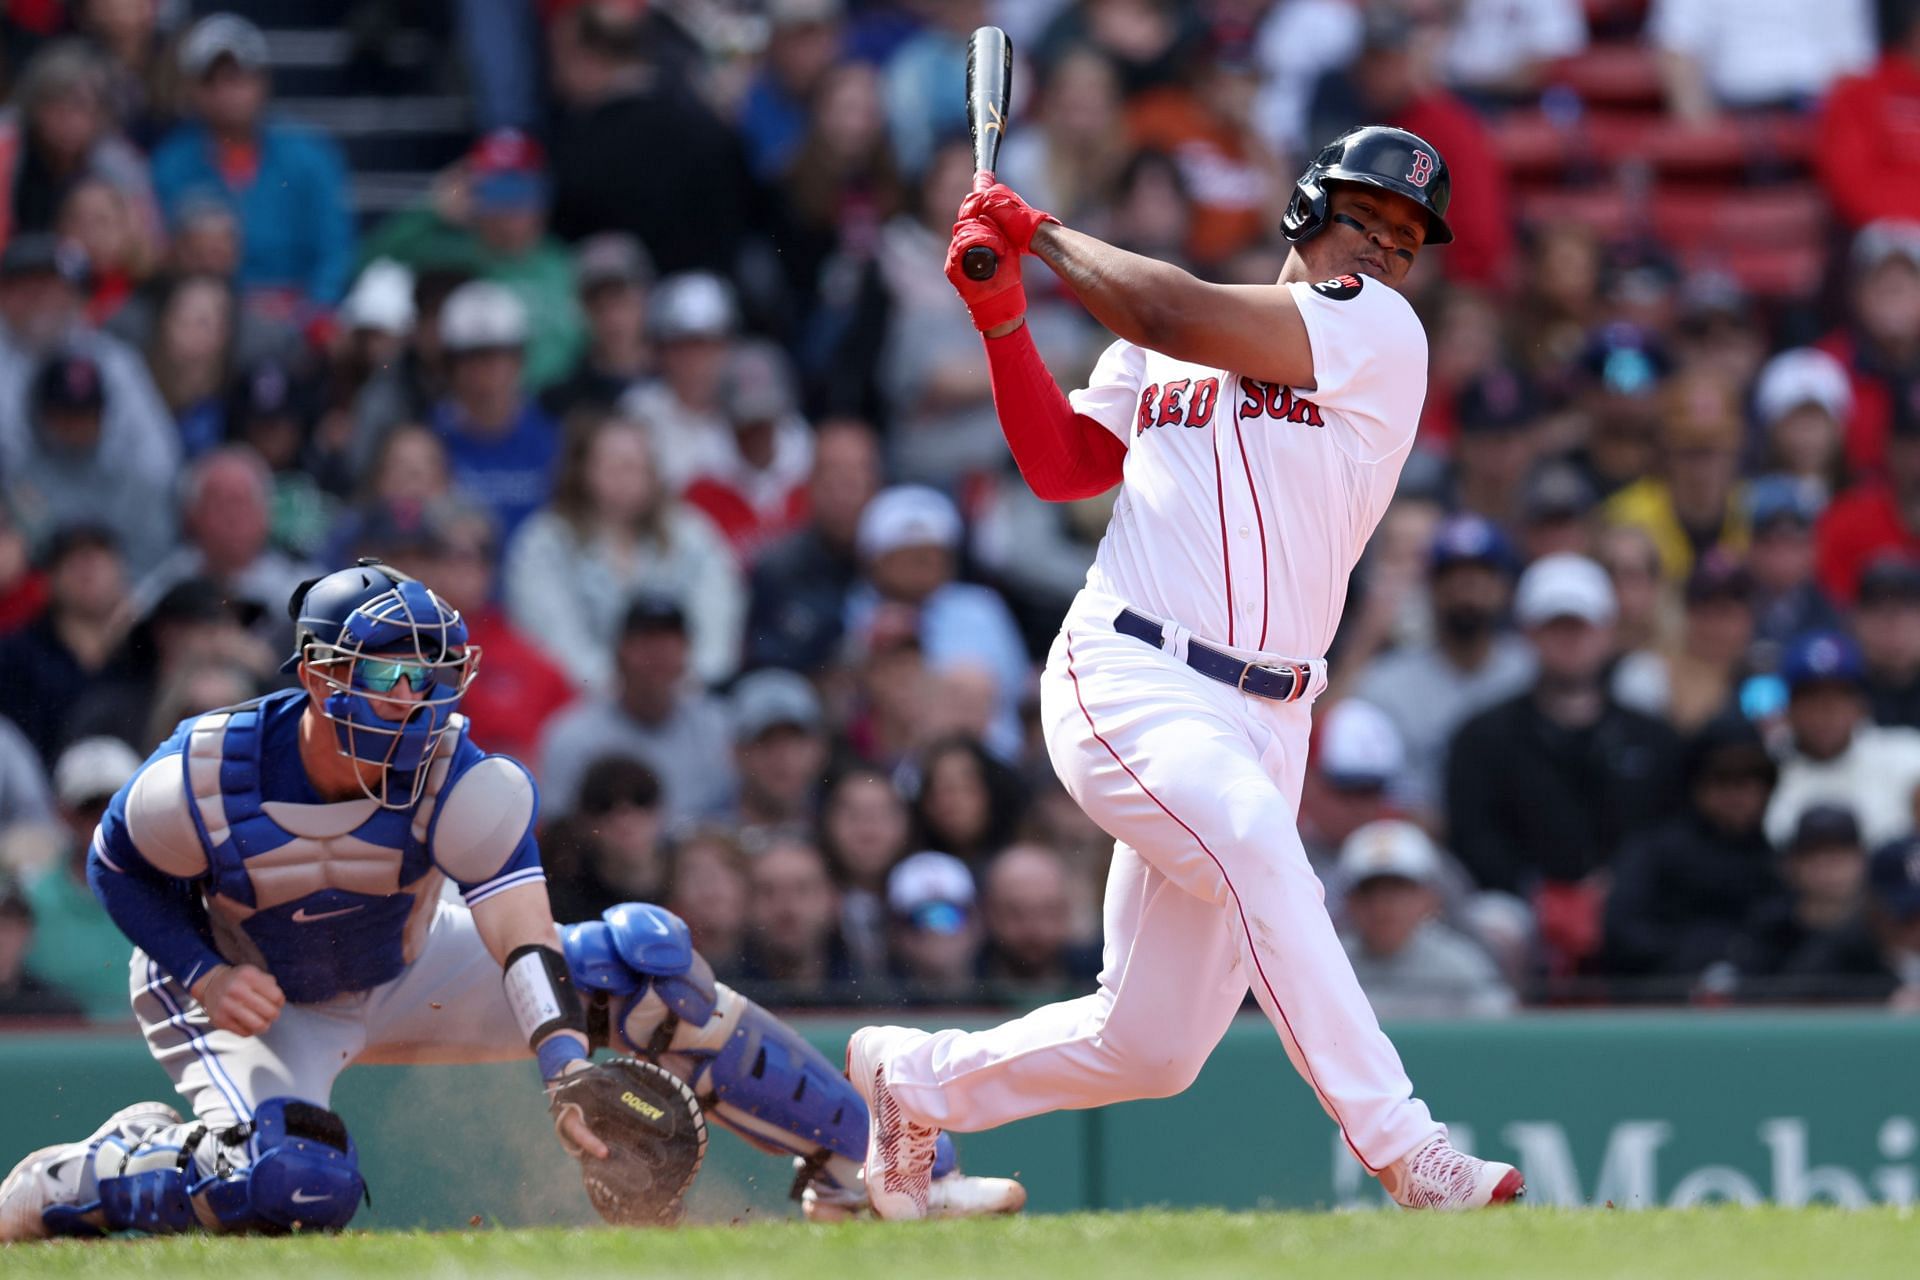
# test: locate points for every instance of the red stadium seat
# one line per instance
(1727, 146)
(1781, 217)
(1622, 74)
(1603, 209)
(1531, 145)
(1774, 272)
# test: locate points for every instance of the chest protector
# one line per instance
(323, 892)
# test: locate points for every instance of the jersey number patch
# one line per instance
(1340, 288)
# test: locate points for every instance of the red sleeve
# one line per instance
(1062, 455)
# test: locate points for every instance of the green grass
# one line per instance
(1750, 1244)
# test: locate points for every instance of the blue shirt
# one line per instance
(510, 474)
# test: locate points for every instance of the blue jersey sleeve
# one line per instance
(482, 836)
(145, 865)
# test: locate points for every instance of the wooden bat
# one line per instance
(989, 81)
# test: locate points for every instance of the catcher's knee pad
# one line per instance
(302, 1171)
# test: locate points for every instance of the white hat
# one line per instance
(93, 769)
(1359, 745)
(1564, 586)
(907, 515)
(927, 879)
(480, 315)
(694, 304)
(222, 35)
(1390, 847)
(1803, 375)
(381, 299)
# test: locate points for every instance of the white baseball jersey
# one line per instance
(1245, 504)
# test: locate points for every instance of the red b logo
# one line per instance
(1422, 169)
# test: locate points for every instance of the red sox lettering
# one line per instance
(1189, 402)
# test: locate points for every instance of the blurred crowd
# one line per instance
(662, 385)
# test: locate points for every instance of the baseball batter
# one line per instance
(1257, 433)
(280, 867)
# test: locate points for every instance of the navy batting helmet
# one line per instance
(1373, 155)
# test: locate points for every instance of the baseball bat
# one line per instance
(989, 81)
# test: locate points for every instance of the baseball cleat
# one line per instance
(1441, 1178)
(56, 1175)
(954, 1196)
(900, 1152)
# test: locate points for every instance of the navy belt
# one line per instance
(1282, 683)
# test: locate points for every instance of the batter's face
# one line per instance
(1369, 232)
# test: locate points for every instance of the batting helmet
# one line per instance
(1373, 155)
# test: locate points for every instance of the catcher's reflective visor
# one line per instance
(381, 674)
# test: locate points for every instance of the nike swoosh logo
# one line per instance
(301, 1197)
(301, 916)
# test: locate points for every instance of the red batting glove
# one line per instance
(1016, 219)
(991, 302)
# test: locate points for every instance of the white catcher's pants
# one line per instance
(1209, 893)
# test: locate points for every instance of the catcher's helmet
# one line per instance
(1373, 155)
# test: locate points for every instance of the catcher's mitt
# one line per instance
(655, 1133)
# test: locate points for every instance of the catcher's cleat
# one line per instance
(56, 1176)
(1439, 1177)
(954, 1196)
(899, 1170)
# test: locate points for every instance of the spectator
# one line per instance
(689, 204)
(1358, 756)
(1683, 891)
(803, 48)
(407, 474)
(1500, 53)
(202, 685)
(1026, 909)
(965, 802)
(1866, 149)
(1824, 869)
(1738, 55)
(98, 217)
(1429, 690)
(1300, 42)
(613, 273)
(863, 832)
(488, 220)
(793, 943)
(801, 583)
(1877, 956)
(288, 185)
(611, 530)
(653, 717)
(707, 887)
(908, 539)
(694, 321)
(1558, 305)
(22, 995)
(269, 409)
(41, 300)
(1804, 400)
(1786, 602)
(379, 398)
(1543, 789)
(780, 749)
(1409, 963)
(1695, 503)
(59, 132)
(758, 492)
(1556, 515)
(936, 929)
(1692, 680)
(69, 474)
(1887, 621)
(919, 115)
(1036, 552)
(1496, 423)
(1618, 382)
(1878, 341)
(189, 357)
(893, 692)
(226, 517)
(49, 665)
(1152, 210)
(79, 949)
(1069, 157)
(1838, 755)
(610, 850)
(142, 72)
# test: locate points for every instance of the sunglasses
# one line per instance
(381, 674)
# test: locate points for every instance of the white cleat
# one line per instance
(900, 1152)
(1441, 1178)
(954, 1196)
(55, 1175)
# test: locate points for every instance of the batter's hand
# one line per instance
(998, 300)
(239, 998)
(1000, 203)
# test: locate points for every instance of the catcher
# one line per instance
(279, 866)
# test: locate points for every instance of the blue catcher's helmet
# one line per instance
(364, 631)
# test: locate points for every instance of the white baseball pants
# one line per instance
(1210, 893)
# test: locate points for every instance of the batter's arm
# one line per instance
(1251, 329)
(1062, 455)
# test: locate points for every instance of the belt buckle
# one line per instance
(1295, 669)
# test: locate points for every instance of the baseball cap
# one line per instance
(69, 383)
(1822, 657)
(44, 254)
(1718, 576)
(508, 172)
(199, 599)
(92, 769)
(222, 35)
(270, 389)
(482, 316)
(75, 536)
(1882, 241)
(652, 612)
(1893, 877)
(932, 891)
(1710, 295)
(1498, 402)
(1783, 497)
(756, 386)
(1802, 376)
(1469, 539)
(803, 13)
(1389, 847)
(1822, 826)
(1625, 359)
(1359, 747)
(1564, 586)
(1556, 491)
(771, 699)
(907, 515)
(611, 257)
(694, 304)
(381, 299)
(1890, 578)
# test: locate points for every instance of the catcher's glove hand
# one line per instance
(655, 1133)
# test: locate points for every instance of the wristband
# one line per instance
(542, 996)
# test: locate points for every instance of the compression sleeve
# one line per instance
(1062, 455)
(160, 914)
